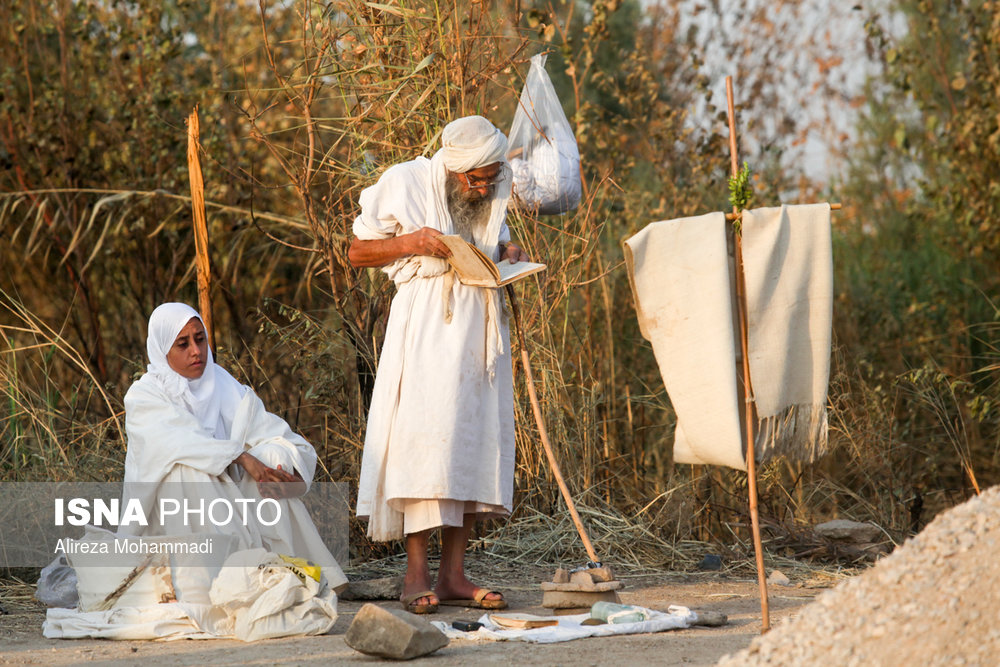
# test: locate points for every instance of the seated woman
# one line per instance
(196, 435)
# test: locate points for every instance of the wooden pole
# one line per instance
(543, 434)
(750, 411)
(200, 227)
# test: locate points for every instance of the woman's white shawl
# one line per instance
(170, 454)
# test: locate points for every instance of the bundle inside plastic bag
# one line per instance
(543, 153)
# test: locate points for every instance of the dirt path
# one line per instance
(21, 642)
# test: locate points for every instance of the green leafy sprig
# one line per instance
(740, 190)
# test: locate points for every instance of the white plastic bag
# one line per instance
(543, 154)
(57, 585)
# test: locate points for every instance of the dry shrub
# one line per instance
(317, 100)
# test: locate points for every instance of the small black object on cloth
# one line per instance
(466, 626)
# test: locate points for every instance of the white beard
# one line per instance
(468, 216)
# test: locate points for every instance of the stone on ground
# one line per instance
(554, 599)
(778, 578)
(392, 633)
(385, 588)
(850, 532)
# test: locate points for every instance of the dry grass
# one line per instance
(334, 95)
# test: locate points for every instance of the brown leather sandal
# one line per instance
(478, 601)
(409, 603)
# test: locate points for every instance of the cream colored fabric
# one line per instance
(788, 264)
(472, 142)
(432, 513)
(254, 596)
(441, 422)
(170, 455)
(679, 273)
(680, 276)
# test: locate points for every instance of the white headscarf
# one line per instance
(212, 398)
(472, 142)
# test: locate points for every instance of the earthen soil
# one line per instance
(21, 641)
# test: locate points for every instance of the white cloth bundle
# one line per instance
(679, 271)
(255, 595)
(545, 158)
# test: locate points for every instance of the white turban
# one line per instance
(472, 142)
(214, 395)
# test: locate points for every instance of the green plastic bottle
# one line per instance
(611, 612)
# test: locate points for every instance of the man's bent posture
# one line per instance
(439, 449)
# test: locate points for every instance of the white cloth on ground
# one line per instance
(255, 596)
(570, 627)
(679, 273)
(441, 422)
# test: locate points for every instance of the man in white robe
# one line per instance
(439, 448)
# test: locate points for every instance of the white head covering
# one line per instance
(212, 398)
(472, 142)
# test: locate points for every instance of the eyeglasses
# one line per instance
(488, 182)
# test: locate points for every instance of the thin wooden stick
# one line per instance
(750, 408)
(200, 226)
(543, 434)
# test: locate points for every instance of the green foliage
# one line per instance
(740, 189)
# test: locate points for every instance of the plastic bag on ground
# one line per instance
(543, 153)
(57, 585)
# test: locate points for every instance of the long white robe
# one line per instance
(441, 423)
(170, 454)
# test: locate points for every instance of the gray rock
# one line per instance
(386, 588)
(712, 619)
(851, 532)
(710, 562)
(392, 633)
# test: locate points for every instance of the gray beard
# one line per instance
(468, 216)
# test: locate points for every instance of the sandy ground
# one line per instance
(21, 641)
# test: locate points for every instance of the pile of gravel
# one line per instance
(934, 601)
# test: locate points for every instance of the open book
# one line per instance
(473, 267)
(519, 621)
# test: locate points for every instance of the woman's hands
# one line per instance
(272, 482)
